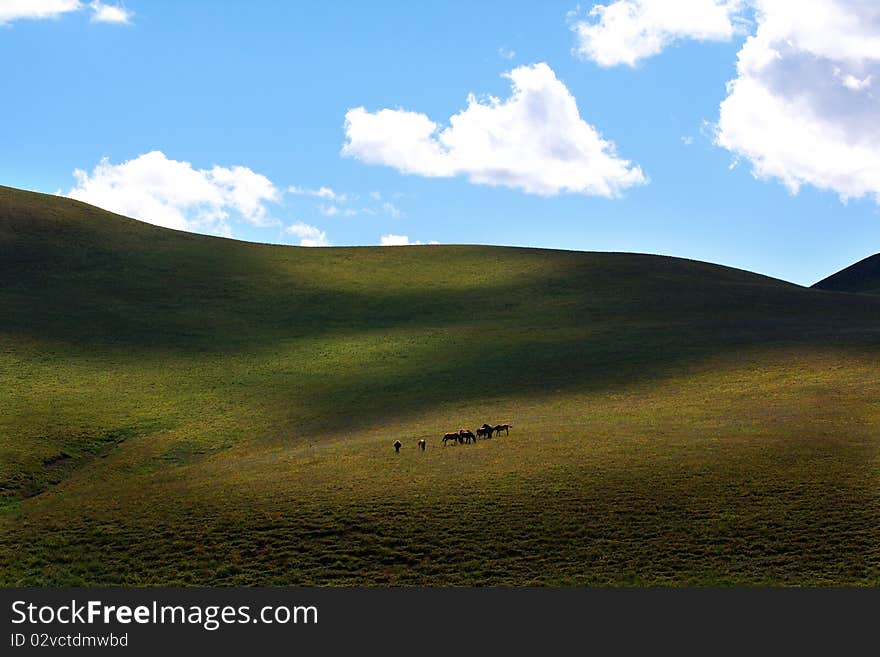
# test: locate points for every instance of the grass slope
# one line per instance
(180, 409)
(863, 276)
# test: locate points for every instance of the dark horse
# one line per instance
(485, 430)
(466, 436)
(455, 437)
(498, 428)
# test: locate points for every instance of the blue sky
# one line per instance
(234, 113)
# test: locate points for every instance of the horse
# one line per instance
(466, 436)
(422, 444)
(397, 445)
(485, 430)
(498, 428)
(455, 437)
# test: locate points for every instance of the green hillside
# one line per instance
(181, 409)
(863, 276)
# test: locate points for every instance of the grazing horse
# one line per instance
(485, 430)
(454, 437)
(498, 428)
(397, 445)
(466, 436)
(422, 444)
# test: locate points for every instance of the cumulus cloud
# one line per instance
(11, 10)
(627, 31)
(171, 193)
(394, 240)
(104, 13)
(398, 240)
(804, 107)
(308, 235)
(535, 141)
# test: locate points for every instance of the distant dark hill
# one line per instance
(864, 276)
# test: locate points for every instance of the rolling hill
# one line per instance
(863, 276)
(186, 410)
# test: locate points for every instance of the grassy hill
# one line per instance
(863, 276)
(181, 409)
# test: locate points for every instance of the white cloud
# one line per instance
(171, 193)
(11, 10)
(399, 240)
(308, 235)
(104, 13)
(852, 82)
(535, 141)
(626, 31)
(334, 210)
(394, 240)
(392, 210)
(338, 205)
(804, 107)
(325, 193)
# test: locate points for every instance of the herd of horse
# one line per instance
(466, 436)
(463, 436)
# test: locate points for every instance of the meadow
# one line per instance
(179, 409)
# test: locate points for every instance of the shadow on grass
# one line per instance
(518, 366)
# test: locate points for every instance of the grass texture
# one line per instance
(177, 409)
